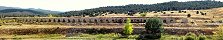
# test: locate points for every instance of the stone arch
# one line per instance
(68, 20)
(144, 20)
(101, 21)
(41, 20)
(79, 20)
(58, 20)
(73, 21)
(49, 20)
(63, 20)
(90, 21)
(164, 21)
(84, 21)
(113, 20)
(107, 21)
(95, 20)
(171, 21)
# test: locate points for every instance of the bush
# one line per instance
(190, 36)
(188, 15)
(143, 14)
(202, 37)
(154, 28)
(128, 27)
(219, 34)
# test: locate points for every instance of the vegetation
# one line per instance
(154, 28)
(143, 14)
(134, 8)
(50, 15)
(190, 36)
(188, 15)
(128, 27)
(219, 33)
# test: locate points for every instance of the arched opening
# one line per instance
(68, 21)
(101, 21)
(107, 21)
(95, 20)
(79, 20)
(171, 21)
(41, 20)
(164, 21)
(73, 21)
(63, 20)
(84, 20)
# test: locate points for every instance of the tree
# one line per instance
(197, 12)
(128, 27)
(188, 15)
(154, 28)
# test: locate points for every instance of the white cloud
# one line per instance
(68, 5)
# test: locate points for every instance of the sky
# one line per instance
(75, 5)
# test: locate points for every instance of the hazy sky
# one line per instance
(69, 5)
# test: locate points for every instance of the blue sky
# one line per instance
(70, 5)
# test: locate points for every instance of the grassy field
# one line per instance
(110, 36)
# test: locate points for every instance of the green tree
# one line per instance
(128, 27)
(154, 28)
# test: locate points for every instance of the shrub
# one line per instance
(154, 28)
(190, 36)
(188, 15)
(128, 27)
(50, 15)
(219, 34)
(197, 12)
(143, 14)
(202, 37)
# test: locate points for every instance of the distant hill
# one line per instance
(45, 11)
(133, 8)
(40, 10)
(18, 12)
(3, 8)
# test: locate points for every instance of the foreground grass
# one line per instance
(61, 36)
(111, 36)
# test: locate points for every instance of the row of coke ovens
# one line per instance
(92, 19)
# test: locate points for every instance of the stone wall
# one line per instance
(91, 19)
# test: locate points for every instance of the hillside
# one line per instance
(40, 10)
(20, 13)
(133, 8)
